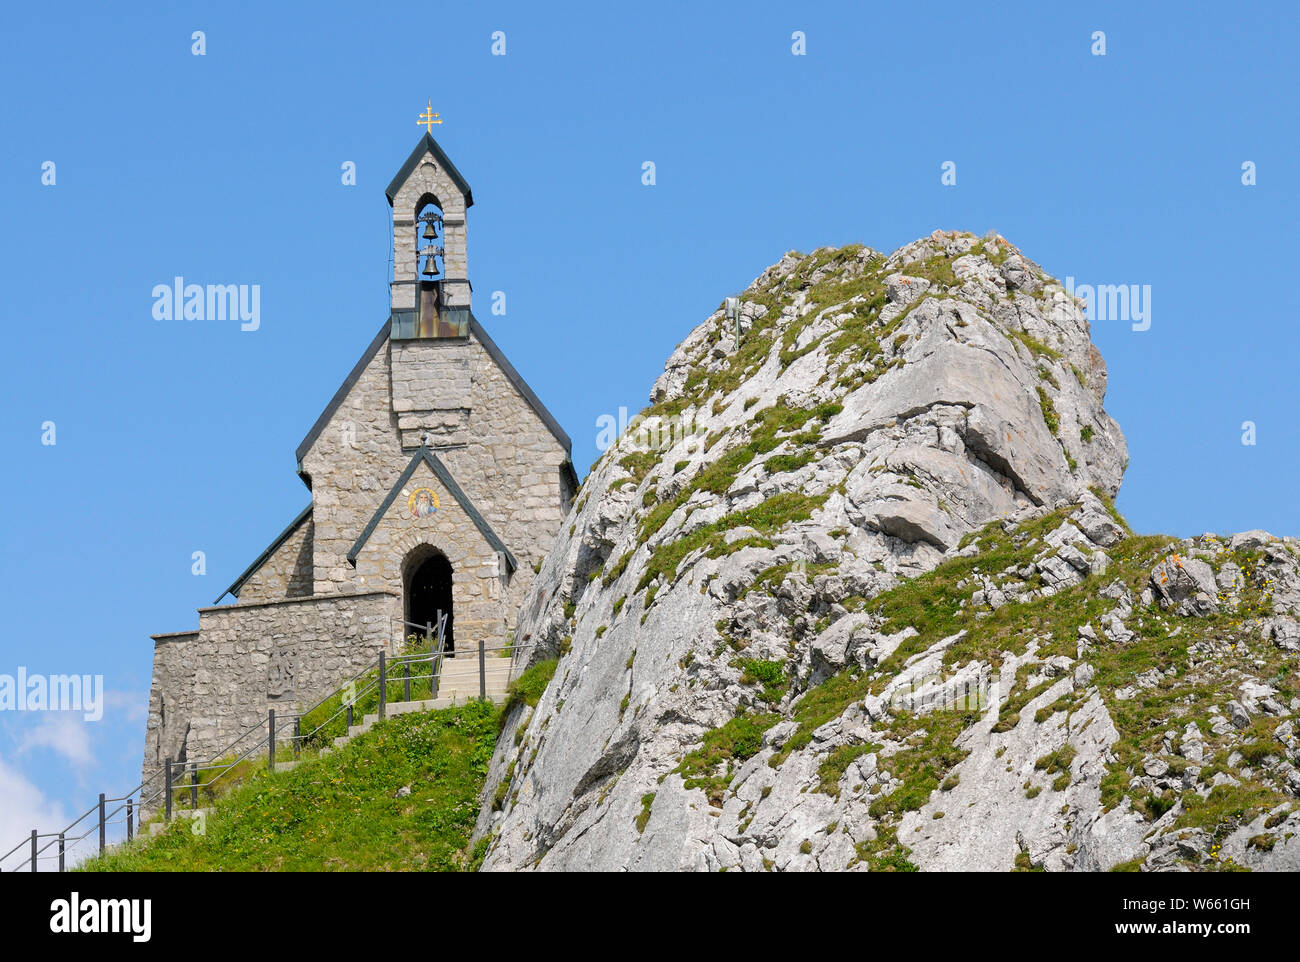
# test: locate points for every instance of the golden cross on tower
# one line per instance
(429, 118)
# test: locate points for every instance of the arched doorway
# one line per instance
(427, 592)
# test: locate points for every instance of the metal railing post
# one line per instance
(167, 789)
(270, 744)
(297, 734)
(33, 850)
(194, 785)
(383, 684)
(61, 852)
(433, 658)
(406, 681)
(349, 714)
(482, 670)
(130, 820)
(102, 826)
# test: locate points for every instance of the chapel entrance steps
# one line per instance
(458, 683)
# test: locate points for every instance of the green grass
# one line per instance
(328, 720)
(936, 269)
(768, 429)
(614, 573)
(1226, 805)
(639, 463)
(710, 766)
(819, 705)
(643, 817)
(770, 516)
(783, 463)
(885, 853)
(1036, 347)
(527, 689)
(340, 812)
(924, 765)
(836, 763)
(769, 674)
(1049, 412)
(1057, 762)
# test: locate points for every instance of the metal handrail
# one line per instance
(137, 799)
(336, 691)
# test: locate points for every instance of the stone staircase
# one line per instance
(458, 683)
(459, 679)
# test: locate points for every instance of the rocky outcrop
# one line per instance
(852, 595)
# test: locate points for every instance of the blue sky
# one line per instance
(175, 437)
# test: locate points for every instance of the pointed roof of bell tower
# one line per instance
(427, 145)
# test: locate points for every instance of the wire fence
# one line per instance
(177, 783)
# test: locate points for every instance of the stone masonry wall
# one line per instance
(431, 389)
(287, 573)
(428, 178)
(170, 697)
(509, 468)
(247, 658)
(476, 583)
(352, 464)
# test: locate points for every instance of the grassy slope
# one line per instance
(340, 812)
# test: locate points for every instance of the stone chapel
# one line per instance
(437, 481)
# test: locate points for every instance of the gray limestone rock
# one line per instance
(920, 405)
(1185, 584)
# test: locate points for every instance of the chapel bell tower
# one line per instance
(430, 328)
(430, 286)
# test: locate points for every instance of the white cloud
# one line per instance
(67, 733)
(22, 808)
(133, 706)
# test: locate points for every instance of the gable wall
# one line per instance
(476, 584)
(509, 468)
(287, 573)
(353, 463)
(170, 697)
